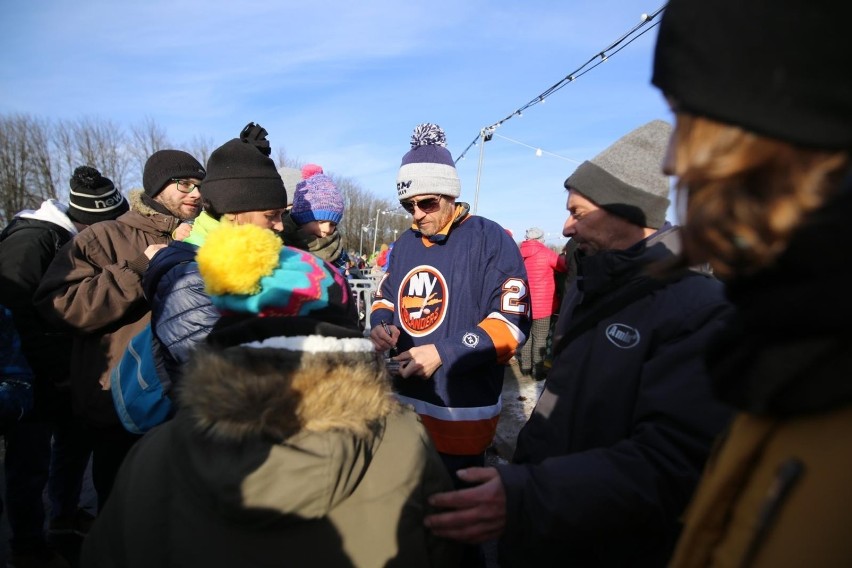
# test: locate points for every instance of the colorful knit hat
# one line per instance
(317, 198)
(265, 290)
(427, 168)
(242, 177)
(626, 179)
(94, 197)
(165, 165)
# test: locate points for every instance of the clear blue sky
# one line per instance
(343, 84)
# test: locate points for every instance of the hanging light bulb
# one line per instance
(538, 152)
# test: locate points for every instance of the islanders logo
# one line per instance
(422, 300)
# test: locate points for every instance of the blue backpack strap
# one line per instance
(140, 389)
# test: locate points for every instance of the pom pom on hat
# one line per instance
(93, 197)
(310, 169)
(235, 258)
(317, 198)
(428, 168)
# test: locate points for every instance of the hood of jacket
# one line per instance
(143, 217)
(52, 211)
(270, 433)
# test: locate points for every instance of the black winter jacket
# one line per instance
(618, 439)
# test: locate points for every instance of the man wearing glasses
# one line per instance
(453, 303)
(94, 285)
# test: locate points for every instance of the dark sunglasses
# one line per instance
(428, 205)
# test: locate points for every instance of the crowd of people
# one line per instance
(696, 389)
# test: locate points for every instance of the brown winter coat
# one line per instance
(94, 285)
(789, 478)
(277, 458)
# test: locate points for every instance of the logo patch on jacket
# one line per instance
(470, 340)
(622, 335)
(422, 300)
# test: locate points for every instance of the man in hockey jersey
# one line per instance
(452, 307)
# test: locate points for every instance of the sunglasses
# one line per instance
(186, 186)
(428, 205)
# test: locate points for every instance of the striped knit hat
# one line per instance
(93, 197)
(428, 168)
(317, 198)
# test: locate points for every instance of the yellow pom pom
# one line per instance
(234, 258)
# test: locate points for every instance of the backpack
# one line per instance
(140, 386)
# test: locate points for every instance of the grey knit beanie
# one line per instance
(626, 179)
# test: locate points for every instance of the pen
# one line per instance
(392, 350)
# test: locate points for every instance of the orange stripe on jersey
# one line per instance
(504, 342)
(464, 438)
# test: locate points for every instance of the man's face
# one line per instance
(182, 204)
(595, 229)
(430, 213)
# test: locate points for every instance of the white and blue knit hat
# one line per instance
(428, 168)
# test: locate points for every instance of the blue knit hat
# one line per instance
(427, 168)
(317, 198)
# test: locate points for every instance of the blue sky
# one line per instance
(343, 84)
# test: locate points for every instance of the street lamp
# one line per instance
(364, 229)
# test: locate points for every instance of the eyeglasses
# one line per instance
(428, 205)
(186, 186)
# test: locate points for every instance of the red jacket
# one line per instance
(541, 263)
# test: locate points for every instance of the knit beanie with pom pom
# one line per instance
(94, 197)
(266, 290)
(428, 168)
(317, 198)
(242, 177)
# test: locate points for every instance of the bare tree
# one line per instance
(201, 147)
(100, 143)
(25, 166)
(146, 137)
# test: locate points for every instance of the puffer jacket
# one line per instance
(342, 482)
(94, 286)
(616, 443)
(777, 492)
(541, 263)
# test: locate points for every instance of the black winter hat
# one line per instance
(93, 197)
(241, 176)
(165, 165)
(773, 68)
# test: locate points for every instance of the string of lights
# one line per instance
(538, 151)
(640, 29)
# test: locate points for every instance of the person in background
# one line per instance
(94, 287)
(242, 187)
(288, 446)
(762, 154)
(47, 448)
(608, 460)
(541, 264)
(314, 216)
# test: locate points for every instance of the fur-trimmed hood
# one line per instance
(296, 430)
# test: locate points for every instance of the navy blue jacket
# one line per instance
(618, 439)
(181, 312)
